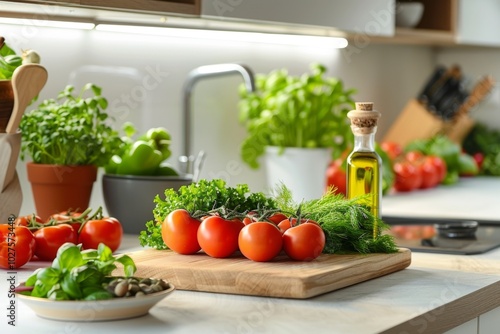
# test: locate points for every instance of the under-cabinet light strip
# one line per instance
(48, 23)
(252, 37)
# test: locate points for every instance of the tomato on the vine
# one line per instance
(48, 240)
(393, 149)
(285, 224)
(408, 176)
(218, 237)
(260, 241)
(439, 164)
(277, 218)
(69, 218)
(430, 174)
(179, 231)
(336, 177)
(304, 242)
(17, 244)
(28, 220)
(107, 230)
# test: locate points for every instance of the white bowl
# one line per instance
(409, 14)
(96, 310)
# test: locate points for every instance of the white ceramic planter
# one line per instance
(302, 170)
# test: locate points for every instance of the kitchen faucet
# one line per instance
(194, 76)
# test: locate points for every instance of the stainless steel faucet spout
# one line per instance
(207, 71)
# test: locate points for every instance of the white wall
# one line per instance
(386, 75)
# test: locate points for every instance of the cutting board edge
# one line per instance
(301, 291)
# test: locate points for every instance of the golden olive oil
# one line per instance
(364, 165)
(364, 178)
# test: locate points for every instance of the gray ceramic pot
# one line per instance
(130, 199)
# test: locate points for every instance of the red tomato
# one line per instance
(66, 217)
(260, 241)
(479, 157)
(277, 217)
(430, 174)
(304, 242)
(336, 177)
(440, 166)
(392, 149)
(408, 176)
(247, 220)
(179, 232)
(285, 224)
(218, 237)
(29, 220)
(17, 244)
(48, 240)
(414, 156)
(108, 230)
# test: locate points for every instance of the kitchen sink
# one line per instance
(445, 236)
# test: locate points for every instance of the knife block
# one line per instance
(10, 188)
(416, 122)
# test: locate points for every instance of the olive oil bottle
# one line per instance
(364, 165)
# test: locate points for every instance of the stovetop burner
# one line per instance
(448, 236)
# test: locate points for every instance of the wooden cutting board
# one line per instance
(281, 277)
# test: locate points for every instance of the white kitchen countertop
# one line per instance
(436, 293)
(470, 198)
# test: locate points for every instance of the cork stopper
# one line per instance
(364, 118)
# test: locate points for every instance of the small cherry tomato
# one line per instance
(285, 224)
(336, 177)
(277, 217)
(179, 232)
(408, 176)
(48, 240)
(414, 156)
(393, 149)
(430, 174)
(304, 242)
(260, 241)
(28, 220)
(17, 245)
(107, 230)
(440, 166)
(218, 237)
(67, 217)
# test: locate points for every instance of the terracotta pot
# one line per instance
(58, 188)
(6, 103)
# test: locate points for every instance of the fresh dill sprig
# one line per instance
(348, 225)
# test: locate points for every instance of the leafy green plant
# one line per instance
(70, 130)
(204, 195)
(289, 111)
(77, 274)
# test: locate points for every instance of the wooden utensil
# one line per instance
(27, 82)
(10, 188)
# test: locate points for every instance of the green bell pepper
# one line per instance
(159, 138)
(142, 158)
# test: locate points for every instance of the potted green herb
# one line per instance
(68, 138)
(299, 123)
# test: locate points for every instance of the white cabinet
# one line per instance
(478, 22)
(369, 17)
(489, 322)
(470, 327)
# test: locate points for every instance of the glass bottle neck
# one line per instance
(364, 142)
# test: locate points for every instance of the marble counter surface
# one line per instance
(436, 293)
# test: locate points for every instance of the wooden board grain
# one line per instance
(281, 277)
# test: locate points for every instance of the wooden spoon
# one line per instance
(27, 82)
